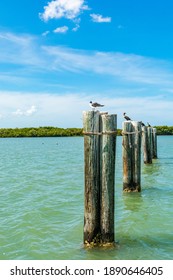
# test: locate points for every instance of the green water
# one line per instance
(41, 203)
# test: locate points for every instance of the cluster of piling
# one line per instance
(135, 136)
(99, 153)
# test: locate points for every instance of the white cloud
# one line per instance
(45, 33)
(76, 28)
(100, 18)
(69, 9)
(62, 29)
(28, 112)
(31, 110)
(77, 22)
(18, 112)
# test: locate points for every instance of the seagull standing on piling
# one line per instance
(126, 117)
(142, 123)
(94, 105)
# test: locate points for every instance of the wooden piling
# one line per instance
(132, 156)
(99, 152)
(136, 159)
(146, 146)
(127, 155)
(107, 159)
(92, 177)
(154, 143)
(150, 143)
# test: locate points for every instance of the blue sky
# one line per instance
(56, 56)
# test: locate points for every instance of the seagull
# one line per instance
(142, 123)
(126, 117)
(95, 105)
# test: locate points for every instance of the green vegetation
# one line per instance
(164, 130)
(119, 131)
(46, 131)
(49, 131)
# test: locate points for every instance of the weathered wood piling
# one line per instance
(91, 122)
(107, 176)
(131, 156)
(154, 143)
(146, 142)
(150, 142)
(99, 153)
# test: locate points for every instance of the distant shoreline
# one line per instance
(49, 131)
(46, 131)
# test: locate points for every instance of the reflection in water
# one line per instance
(151, 169)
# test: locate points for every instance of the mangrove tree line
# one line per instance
(49, 131)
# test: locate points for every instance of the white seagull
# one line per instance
(94, 105)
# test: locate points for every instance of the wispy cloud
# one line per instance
(45, 33)
(120, 26)
(62, 29)
(99, 18)
(18, 49)
(57, 9)
(127, 67)
(18, 112)
(25, 54)
(76, 27)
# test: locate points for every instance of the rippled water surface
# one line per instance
(41, 203)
